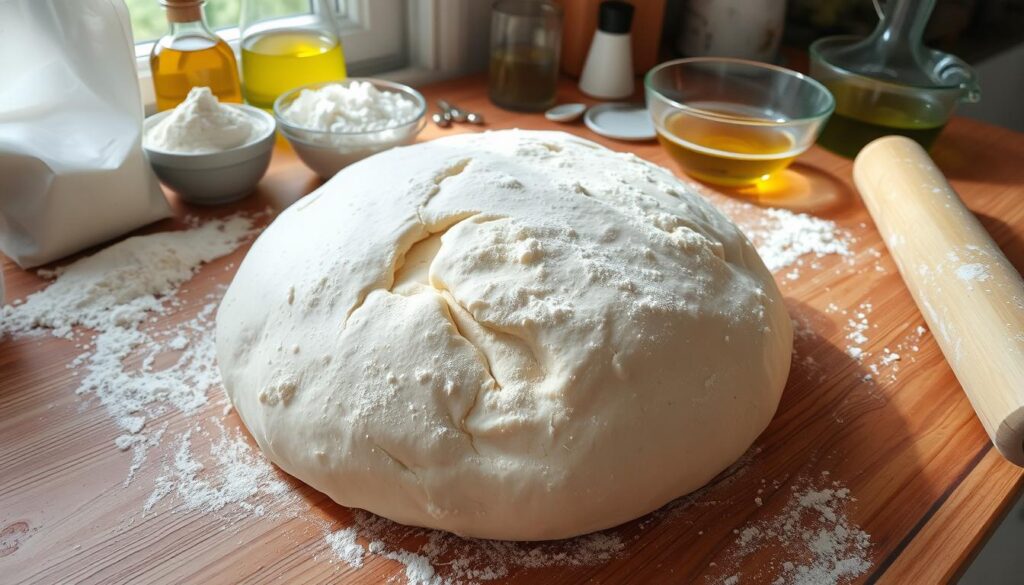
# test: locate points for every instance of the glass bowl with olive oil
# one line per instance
(733, 122)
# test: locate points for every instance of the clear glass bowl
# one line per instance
(734, 122)
(327, 152)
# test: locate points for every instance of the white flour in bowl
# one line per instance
(349, 108)
(201, 124)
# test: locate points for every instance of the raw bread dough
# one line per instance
(510, 335)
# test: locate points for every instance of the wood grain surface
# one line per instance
(926, 483)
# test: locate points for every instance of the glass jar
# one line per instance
(282, 50)
(526, 37)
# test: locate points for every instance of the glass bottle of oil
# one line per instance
(282, 50)
(191, 56)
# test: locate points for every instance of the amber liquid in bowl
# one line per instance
(734, 147)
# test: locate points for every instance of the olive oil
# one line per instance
(191, 56)
(725, 145)
(863, 115)
(193, 62)
(280, 60)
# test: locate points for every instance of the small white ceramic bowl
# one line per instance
(213, 178)
(327, 152)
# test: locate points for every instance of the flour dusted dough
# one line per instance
(510, 335)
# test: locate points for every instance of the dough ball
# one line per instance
(509, 335)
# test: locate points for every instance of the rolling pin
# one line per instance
(970, 295)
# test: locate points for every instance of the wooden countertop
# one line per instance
(928, 486)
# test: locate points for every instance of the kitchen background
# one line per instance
(989, 34)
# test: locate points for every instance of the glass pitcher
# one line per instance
(889, 82)
(283, 49)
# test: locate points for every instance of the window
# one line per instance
(409, 41)
(372, 31)
(149, 23)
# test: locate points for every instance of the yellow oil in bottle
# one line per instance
(187, 62)
(726, 146)
(276, 61)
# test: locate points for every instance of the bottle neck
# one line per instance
(191, 28)
(181, 13)
(188, 29)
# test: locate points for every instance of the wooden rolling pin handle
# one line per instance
(970, 295)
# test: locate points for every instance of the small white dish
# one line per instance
(565, 112)
(621, 121)
(213, 178)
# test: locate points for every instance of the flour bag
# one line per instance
(72, 170)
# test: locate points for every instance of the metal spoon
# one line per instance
(452, 113)
(442, 119)
(456, 114)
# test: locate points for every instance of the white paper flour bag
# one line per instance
(72, 170)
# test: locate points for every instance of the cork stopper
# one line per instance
(183, 10)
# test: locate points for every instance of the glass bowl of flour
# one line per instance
(334, 124)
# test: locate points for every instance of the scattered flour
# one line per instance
(114, 296)
(857, 325)
(346, 548)
(973, 273)
(237, 475)
(784, 239)
(889, 357)
(809, 542)
(887, 366)
(122, 285)
(443, 558)
(418, 570)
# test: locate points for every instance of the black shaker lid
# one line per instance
(615, 17)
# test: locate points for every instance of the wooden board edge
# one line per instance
(983, 498)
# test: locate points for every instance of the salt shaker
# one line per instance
(608, 71)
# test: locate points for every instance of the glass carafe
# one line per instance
(282, 50)
(889, 82)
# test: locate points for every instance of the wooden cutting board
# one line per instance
(925, 482)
